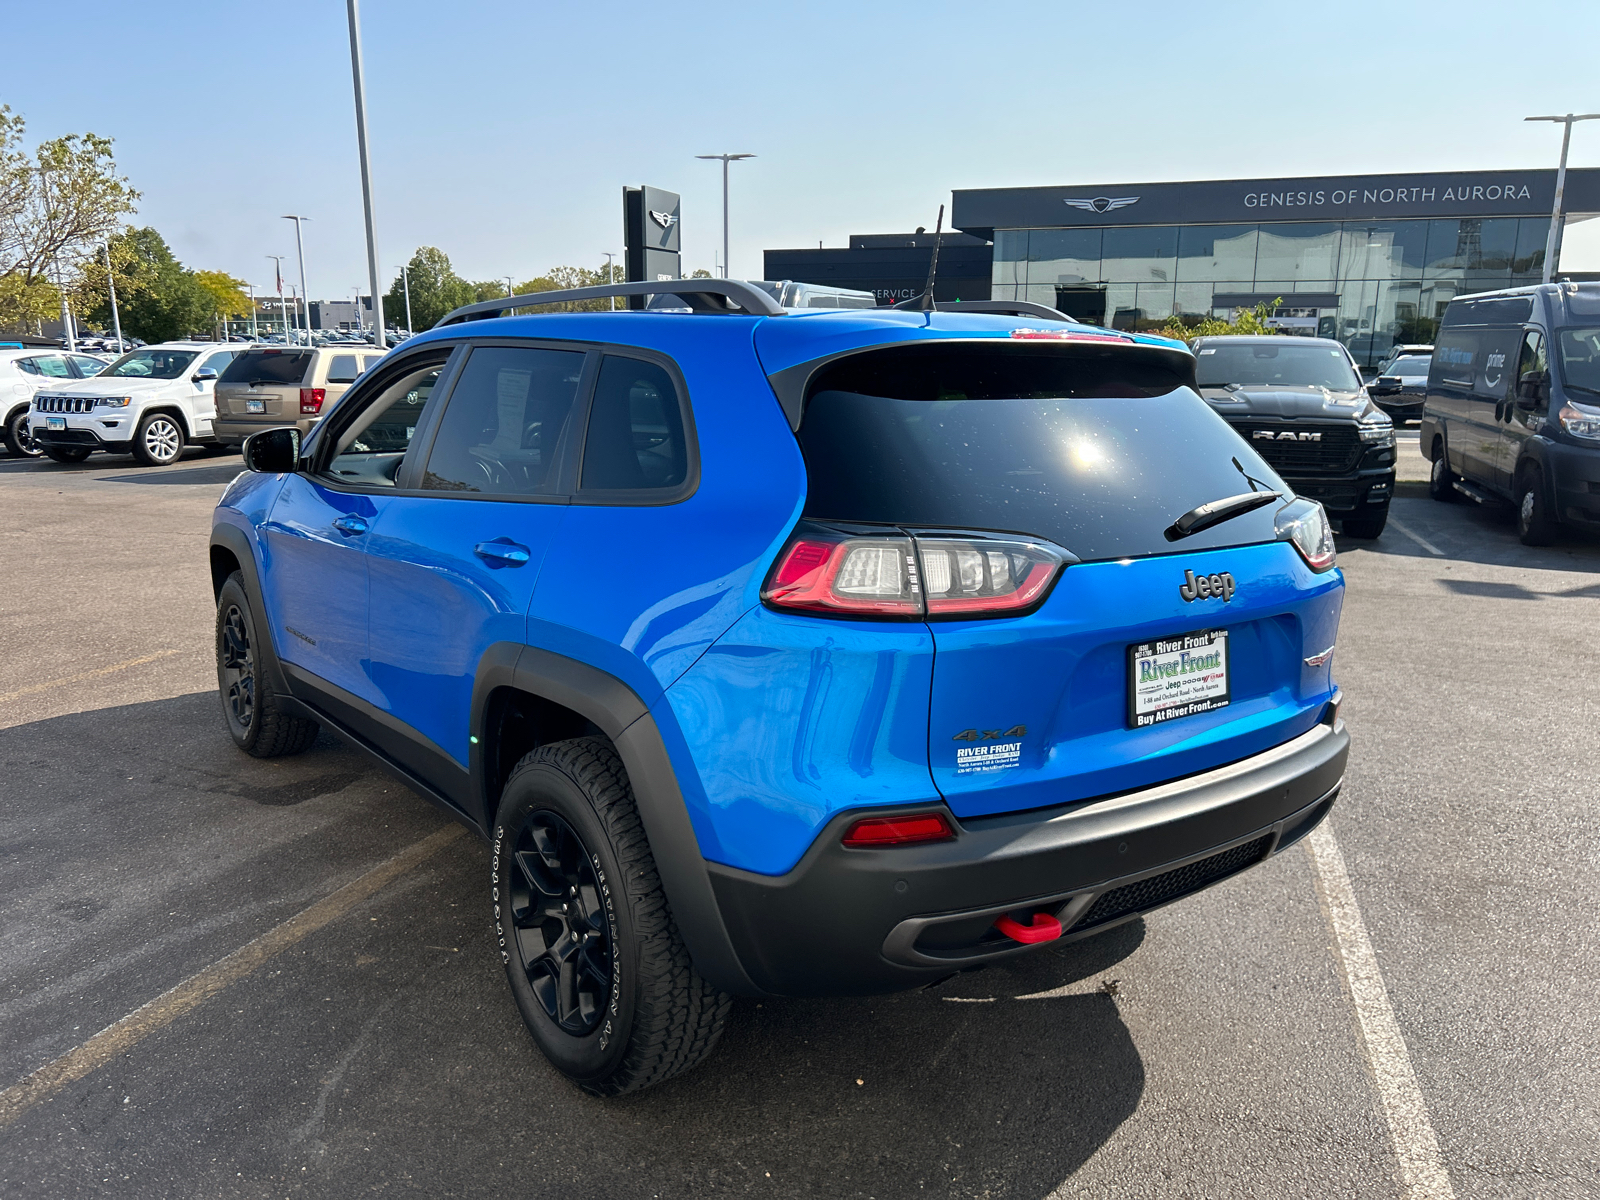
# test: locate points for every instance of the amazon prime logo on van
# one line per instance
(1101, 204)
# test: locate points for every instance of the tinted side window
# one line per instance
(52, 365)
(267, 366)
(635, 440)
(28, 366)
(501, 430)
(87, 367)
(342, 369)
(1453, 359)
(219, 362)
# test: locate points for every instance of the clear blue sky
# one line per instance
(504, 132)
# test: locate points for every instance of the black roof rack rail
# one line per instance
(1010, 308)
(701, 295)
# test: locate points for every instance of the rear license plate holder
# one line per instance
(1179, 676)
(255, 406)
(55, 422)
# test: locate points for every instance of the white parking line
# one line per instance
(1416, 537)
(1422, 1170)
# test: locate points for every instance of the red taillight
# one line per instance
(898, 831)
(311, 401)
(934, 575)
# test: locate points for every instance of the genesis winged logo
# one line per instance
(663, 219)
(1101, 204)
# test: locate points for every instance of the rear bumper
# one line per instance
(233, 430)
(857, 922)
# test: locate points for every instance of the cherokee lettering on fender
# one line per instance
(1219, 586)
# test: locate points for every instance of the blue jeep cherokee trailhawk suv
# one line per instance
(789, 653)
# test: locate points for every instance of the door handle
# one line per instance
(350, 526)
(502, 552)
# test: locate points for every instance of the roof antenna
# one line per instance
(933, 267)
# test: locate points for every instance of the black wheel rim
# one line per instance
(559, 923)
(238, 668)
(22, 438)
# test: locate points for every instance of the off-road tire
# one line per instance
(1441, 479)
(1365, 527)
(659, 1018)
(1534, 525)
(159, 440)
(66, 454)
(17, 439)
(256, 721)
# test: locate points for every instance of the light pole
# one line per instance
(300, 249)
(611, 277)
(1553, 239)
(111, 282)
(255, 332)
(361, 325)
(507, 278)
(283, 306)
(366, 172)
(295, 296)
(727, 272)
(405, 282)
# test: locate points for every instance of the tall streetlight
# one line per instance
(405, 282)
(255, 332)
(300, 249)
(727, 272)
(611, 277)
(509, 288)
(283, 305)
(1551, 241)
(111, 282)
(366, 171)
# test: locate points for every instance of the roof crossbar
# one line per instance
(701, 295)
(1012, 308)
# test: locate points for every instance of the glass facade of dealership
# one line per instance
(1368, 283)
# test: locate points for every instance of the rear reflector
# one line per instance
(898, 831)
(311, 401)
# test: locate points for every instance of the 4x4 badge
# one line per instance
(972, 735)
(1206, 587)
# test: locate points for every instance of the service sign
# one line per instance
(1180, 676)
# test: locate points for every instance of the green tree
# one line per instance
(159, 299)
(1249, 320)
(56, 206)
(224, 293)
(435, 289)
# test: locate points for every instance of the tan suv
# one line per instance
(268, 387)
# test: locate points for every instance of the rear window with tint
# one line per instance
(1097, 449)
(342, 369)
(267, 366)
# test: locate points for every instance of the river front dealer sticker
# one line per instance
(1179, 676)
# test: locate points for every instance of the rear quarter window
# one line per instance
(1098, 449)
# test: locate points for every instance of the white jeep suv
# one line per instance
(152, 402)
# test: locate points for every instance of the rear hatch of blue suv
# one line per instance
(1050, 646)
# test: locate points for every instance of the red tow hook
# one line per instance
(1045, 928)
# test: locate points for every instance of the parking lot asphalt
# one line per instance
(1217, 1048)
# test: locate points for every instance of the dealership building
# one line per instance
(1369, 259)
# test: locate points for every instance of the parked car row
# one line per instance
(156, 400)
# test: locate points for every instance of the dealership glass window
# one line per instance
(1216, 252)
(1193, 299)
(1298, 251)
(1140, 254)
(1155, 304)
(1010, 262)
(1122, 306)
(1383, 250)
(1528, 259)
(1064, 256)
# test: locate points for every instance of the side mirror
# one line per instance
(203, 375)
(273, 451)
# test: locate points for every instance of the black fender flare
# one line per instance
(233, 539)
(623, 717)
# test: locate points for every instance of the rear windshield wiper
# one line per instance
(1216, 512)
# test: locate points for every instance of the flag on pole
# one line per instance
(278, 268)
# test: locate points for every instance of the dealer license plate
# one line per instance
(55, 422)
(255, 406)
(1180, 676)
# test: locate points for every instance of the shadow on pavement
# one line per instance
(964, 1088)
(1473, 533)
(223, 473)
